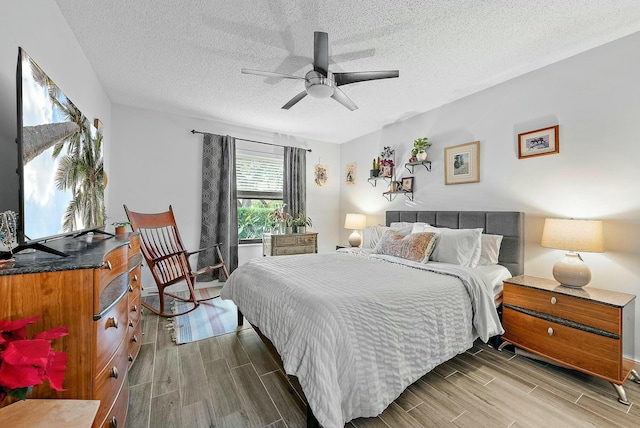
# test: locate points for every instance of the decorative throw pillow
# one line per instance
(415, 246)
(490, 249)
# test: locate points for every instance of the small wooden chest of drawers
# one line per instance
(585, 329)
(289, 244)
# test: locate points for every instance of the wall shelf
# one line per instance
(392, 195)
(374, 180)
(426, 164)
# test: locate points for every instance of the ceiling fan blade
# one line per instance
(343, 99)
(270, 74)
(361, 76)
(321, 52)
(294, 100)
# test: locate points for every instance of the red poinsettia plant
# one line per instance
(25, 363)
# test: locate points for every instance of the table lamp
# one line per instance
(573, 236)
(355, 222)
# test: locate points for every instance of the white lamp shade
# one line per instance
(355, 221)
(573, 235)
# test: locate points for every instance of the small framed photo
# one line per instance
(350, 174)
(407, 184)
(462, 163)
(540, 142)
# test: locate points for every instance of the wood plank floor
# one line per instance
(233, 381)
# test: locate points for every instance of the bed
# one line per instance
(356, 330)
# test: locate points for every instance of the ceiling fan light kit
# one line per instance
(320, 82)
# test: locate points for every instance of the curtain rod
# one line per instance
(193, 131)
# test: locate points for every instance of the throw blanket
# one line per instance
(356, 331)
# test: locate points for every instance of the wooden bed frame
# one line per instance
(509, 224)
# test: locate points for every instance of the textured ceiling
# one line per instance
(185, 56)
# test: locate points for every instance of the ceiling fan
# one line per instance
(320, 82)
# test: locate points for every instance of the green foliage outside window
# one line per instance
(253, 217)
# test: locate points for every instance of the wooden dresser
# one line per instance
(95, 293)
(585, 329)
(289, 244)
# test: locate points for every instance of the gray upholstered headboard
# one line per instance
(509, 224)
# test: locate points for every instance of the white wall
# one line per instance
(40, 29)
(157, 162)
(595, 98)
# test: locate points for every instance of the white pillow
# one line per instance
(458, 246)
(372, 234)
(490, 249)
(419, 227)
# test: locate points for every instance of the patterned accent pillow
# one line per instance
(415, 246)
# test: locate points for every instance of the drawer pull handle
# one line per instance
(114, 373)
(134, 339)
(550, 331)
(135, 278)
(135, 308)
(130, 289)
(112, 322)
(130, 323)
(107, 265)
(129, 245)
(130, 357)
(554, 300)
(113, 423)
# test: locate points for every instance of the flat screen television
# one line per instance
(60, 162)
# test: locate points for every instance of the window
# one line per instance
(259, 183)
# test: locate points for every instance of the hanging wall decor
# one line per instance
(540, 142)
(350, 174)
(462, 163)
(321, 175)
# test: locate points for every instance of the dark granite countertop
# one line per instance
(85, 252)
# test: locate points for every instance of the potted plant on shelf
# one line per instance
(301, 222)
(420, 145)
(121, 227)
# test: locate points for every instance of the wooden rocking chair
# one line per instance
(167, 259)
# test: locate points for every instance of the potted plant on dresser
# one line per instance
(301, 222)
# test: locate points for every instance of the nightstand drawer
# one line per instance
(587, 351)
(583, 311)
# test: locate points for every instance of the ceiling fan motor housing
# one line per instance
(318, 85)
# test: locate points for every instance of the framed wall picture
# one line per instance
(462, 163)
(540, 142)
(321, 175)
(407, 184)
(350, 174)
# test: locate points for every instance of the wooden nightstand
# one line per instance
(585, 329)
(289, 244)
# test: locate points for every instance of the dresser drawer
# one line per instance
(134, 308)
(134, 244)
(110, 331)
(117, 416)
(283, 240)
(134, 279)
(306, 240)
(134, 342)
(110, 380)
(587, 351)
(115, 262)
(583, 311)
(288, 251)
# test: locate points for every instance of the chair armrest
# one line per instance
(190, 253)
(167, 256)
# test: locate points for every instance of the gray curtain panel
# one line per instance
(295, 180)
(219, 204)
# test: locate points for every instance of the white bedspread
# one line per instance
(356, 331)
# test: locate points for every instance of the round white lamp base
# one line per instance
(571, 271)
(355, 239)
